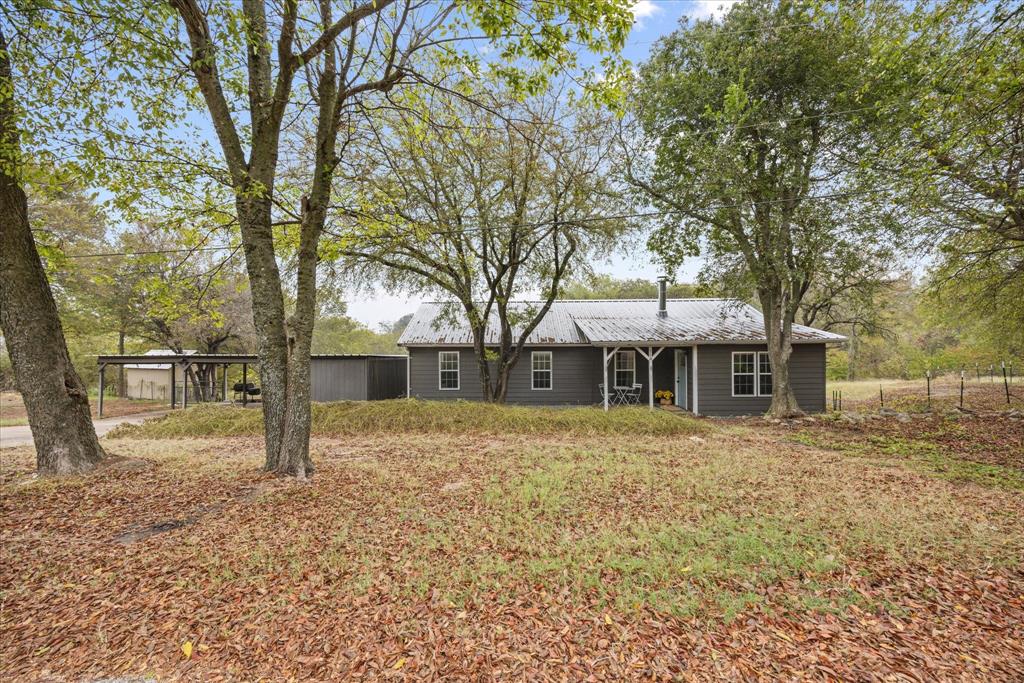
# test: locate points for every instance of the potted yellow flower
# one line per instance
(664, 395)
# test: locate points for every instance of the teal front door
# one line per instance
(680, 389)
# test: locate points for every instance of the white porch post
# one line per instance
(650, 355)
(604, 352)
(695, 375)
(650, 376)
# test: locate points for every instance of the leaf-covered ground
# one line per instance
(735, 554)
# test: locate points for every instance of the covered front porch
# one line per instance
(633, 373)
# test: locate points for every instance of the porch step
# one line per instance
(672, 408)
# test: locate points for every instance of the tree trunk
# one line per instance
(294, 458)
(254, 216)
(851, 356)
(55, 397)
(779, 332)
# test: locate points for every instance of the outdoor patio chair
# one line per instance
(633, 394)
(613, 397)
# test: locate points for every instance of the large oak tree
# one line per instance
(749, 136)
(485, 206)
(266, 74)
(55, 397)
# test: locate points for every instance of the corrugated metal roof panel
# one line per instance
(617, 321)
(443, 323)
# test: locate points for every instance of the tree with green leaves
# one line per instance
(955, 84)
(756, 125)
(605, 286)
(485, 205)
(55, 397)
(270, 74)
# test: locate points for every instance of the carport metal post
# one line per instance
(245, 384)
(174, 384)
(99, 412)
(184, 385)
(224, 382)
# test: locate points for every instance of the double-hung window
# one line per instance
(541, 365)
(625, 368)
(751, 373)
(448, 370)
(764, 374)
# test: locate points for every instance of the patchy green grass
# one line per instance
(919, 454)
(415, 416)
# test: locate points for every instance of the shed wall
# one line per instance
(147, 383)
(338, 379)
(385, 378)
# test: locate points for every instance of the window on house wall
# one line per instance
(764, 374)
(744, 373)
(541, 362)
(448, 370)
(625, 368)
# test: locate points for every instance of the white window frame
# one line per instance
(616, 370)
(458, 371)
(752, 374)
(764, 354)
(756, 374)
(550, 370)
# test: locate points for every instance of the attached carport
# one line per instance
(334, 377)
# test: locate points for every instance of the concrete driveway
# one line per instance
(21, 435)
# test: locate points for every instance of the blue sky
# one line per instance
(654, 18)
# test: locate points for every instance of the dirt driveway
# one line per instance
(21, 435)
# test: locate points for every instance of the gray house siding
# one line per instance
(714, 385)
(338, 379)
(573, 373)
(576, 374)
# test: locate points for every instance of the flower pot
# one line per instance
(666, 402)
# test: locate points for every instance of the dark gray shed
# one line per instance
(358, 377)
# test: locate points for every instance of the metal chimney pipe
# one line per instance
(662, 301)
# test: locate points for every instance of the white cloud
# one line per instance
(644, 9)
(710, 8)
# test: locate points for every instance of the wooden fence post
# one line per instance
(1006, 384)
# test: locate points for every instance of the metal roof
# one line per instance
(158, 366)
(603, 322)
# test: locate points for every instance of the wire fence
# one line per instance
(992, 386)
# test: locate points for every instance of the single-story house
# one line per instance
(711, 353)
